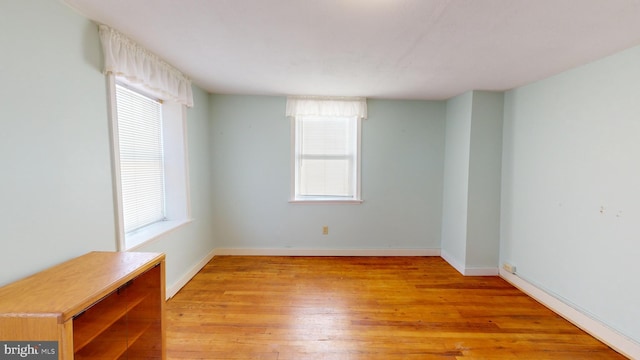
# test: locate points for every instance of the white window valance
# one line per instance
(124, 57)
(326, 106)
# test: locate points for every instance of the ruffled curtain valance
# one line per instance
(124, 57)
(326, 106)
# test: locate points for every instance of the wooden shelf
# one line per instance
(96, 306)
(114, 342)
(91, 323)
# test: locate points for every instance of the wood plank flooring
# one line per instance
(297, 308)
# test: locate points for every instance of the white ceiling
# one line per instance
(408, 49)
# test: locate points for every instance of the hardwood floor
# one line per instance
(297, 308)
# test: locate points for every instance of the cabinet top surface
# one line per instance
(68, 288)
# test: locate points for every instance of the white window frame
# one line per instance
(295, 197)
(177, 196)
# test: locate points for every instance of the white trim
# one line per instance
(175, 287)
(472, 271)
(595, 328)
(178, 200)
(327, 252)
(326, 201)
(358, 193)
(452, 261)
(481, 271)
(293, 153)
(185, 155)
(151, 233)
(115, 162)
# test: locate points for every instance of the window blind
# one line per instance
(327, 156)
(141, 158)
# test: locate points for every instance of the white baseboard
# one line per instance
(476, 271)
(481, 271)
(452, 261)
(328, 252)
(595, 328)
(175, 287)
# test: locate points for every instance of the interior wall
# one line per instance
(471, 206)
(456, 179)
(485, 170)
(54, 145)
(56, 184)
(402, 165)
(570, 198)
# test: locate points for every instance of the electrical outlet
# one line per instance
(325, 230)
(509, 267)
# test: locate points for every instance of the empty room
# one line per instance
(331, 179)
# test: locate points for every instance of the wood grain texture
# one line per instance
(96, 306)
(292, 308)
(72, 286)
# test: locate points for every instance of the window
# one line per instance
(325, 151)
(149, 164)
(149, 157)
(141, 159)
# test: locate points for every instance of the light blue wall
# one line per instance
(456, 179)
(570, 194)
(402, 154)
(471, 206)
(56, 198)
(485, 170)
(55, 189)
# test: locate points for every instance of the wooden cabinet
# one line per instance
(103, 305)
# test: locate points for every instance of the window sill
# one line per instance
(151, 233)
(325, 201)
